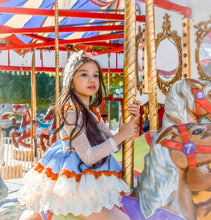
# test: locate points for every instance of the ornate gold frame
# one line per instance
(167, 33)
(203, 30)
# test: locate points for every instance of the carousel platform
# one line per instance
(13, 187)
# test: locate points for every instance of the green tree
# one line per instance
(15, 88)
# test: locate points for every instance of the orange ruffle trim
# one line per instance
(53, 176)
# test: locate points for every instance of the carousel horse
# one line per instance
(163, 183)
(5, 111)
(162, 191)
(24, 131)
(187, 102)
(47, 134)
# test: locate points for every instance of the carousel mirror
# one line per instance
(168, 56)
(203, 50)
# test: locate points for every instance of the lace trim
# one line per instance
(71, 174)
(68, 196)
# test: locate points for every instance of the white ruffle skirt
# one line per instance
(55, 183)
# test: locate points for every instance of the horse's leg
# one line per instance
(13, 136)
(199, 179)
(42, 137)
(203, 208)
(26, 134)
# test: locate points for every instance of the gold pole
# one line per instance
(129, 81)
(151, 58)
(33, 104)
(57, 59)
(109, 91)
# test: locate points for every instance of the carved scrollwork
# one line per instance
(202, 54)
(168, 40)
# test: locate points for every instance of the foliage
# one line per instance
(116, 80)
(16, 89)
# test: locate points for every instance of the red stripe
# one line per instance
(184, 134)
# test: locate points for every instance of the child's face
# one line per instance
(86, 81)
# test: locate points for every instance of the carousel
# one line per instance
(162, 49)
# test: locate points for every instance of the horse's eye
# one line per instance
(210, 95)
(197, 131)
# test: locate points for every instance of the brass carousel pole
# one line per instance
(129, 80)
(57, 59)
(33, 104)
(151, 58)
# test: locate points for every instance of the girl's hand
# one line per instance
(135, 109)
(128, 130)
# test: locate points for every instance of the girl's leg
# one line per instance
(107, 214)
(28, 215)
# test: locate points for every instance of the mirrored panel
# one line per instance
(167, 60)
(203, 50)
(168, 56)
(205, 54)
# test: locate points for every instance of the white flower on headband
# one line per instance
(70, 67)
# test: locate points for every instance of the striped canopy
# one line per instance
(91, 25)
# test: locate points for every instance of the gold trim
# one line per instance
(167, 33)
(203, 30)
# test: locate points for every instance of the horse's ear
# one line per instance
(169, 132)
(195, 84)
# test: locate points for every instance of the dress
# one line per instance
(57, 183)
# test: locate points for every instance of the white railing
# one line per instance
(15, 162)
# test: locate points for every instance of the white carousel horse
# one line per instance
(187, 101)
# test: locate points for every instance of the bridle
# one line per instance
(201, 101)
(187, 147)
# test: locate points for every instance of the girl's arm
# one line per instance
(91, 155)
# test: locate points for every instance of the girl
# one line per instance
(78, 174)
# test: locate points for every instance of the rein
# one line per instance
(201, 101)
(187, 147)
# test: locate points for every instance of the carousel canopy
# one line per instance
(92, 25)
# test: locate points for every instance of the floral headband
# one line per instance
(72, 63)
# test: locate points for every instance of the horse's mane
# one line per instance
(159, 178)
(175, 103)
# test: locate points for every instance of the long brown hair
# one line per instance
(93, 133)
